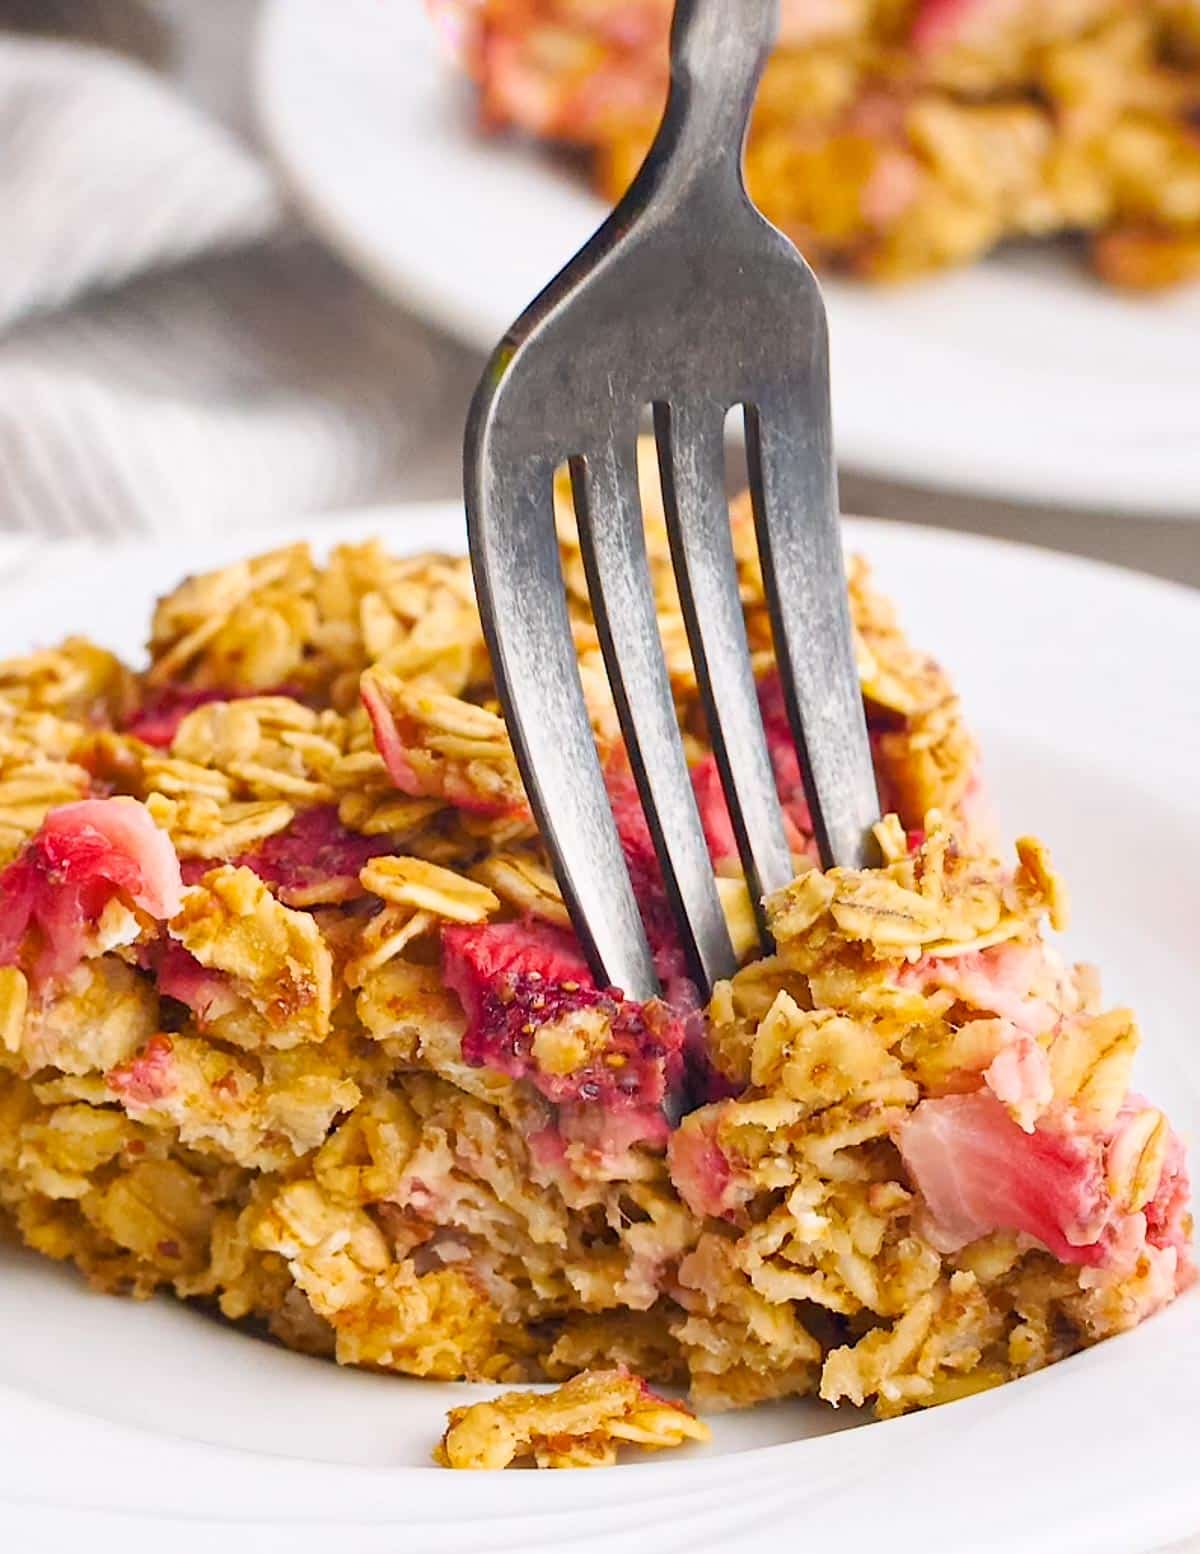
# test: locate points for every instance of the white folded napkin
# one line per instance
(173, 357)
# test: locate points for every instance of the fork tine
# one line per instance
(609, 510)
(793, 485)
(518, 577)
(692, 462)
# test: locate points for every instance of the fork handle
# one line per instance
(718, 50)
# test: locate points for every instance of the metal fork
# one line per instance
(686, 300)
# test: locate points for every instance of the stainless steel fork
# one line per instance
(686, 300)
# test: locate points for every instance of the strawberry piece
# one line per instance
(785, 760)
(85, 856)
(315, 860)
(1167, 1213)
(179, 975)
(978, 1172)
(714, 811)
(789, 782)
(1017, 982)
(607, 1135)
(703, 1173)
(157, 720)
(518, 981)
(447, 783)
(146, 1078)
(388, 741)
(945, 24)
(641, 859)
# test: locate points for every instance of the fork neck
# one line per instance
(718, 50)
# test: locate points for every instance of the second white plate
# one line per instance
(1020, 377)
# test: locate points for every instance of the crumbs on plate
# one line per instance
(582, 1424)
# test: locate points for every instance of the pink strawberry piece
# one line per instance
(703, 1173)
(645, 874)
(157, 720)
(1004, 979)
(85, 856)
(609, 1135)
(315, 860)
(1019, 1076)
(516, 979)
(714, 811)
(1167, 1213)
(978, 1172)
(179, 975)
(641, 859)
(388, 741)
(450, 787)
(789, 782)
(785, 760)
(941, 24)
(148, 1077)
(637, 843)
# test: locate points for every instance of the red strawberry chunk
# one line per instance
(703, 1173)
(208, 994)
(518, 980)
(157, 720)
(942, 24)
(641, 859)
(315, 860)
(388, 741)
(1168, 1212)
(85, 856)
(978, 1172)
(146, 1078)
(789, 783)
(714, 811)
(448, 784)
(785, 760)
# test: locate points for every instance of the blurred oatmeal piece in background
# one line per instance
(897, 136)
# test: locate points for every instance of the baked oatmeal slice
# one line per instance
(292, 1022)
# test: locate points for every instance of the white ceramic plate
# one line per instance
(141, 1427)
(1020, 377)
